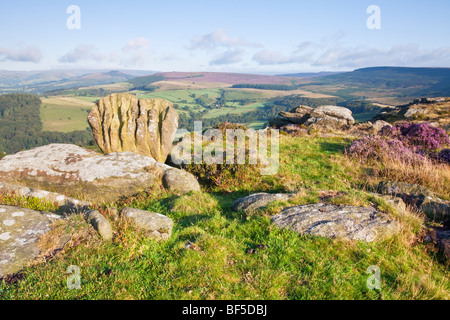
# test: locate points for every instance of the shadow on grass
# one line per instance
(191, 220)
(333, 147)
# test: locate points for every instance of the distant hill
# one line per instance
(50, 80)
(388, 84)
(309, 74)
(223, 78)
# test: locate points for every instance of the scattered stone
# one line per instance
(261, 246)
(121, 122)
(74, 171)
(180, 181)
(100, 223)
(341, 222)
(251, 251)
(155, 225)
(20, 230)
(258, 201)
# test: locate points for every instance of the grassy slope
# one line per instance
(217, 267)
(65, 114)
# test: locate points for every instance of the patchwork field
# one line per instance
(207, 100)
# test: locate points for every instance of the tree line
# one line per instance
(21, 126)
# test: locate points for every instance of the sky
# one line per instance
(248, 36)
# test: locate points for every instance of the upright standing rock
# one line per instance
(120, 122)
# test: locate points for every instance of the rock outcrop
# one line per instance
(436, 209)
(20, 230)
(435, 111)
(121, 122)
(368, 128)
(83, 174)
(323, 117)
(441, 237)
(340, 222)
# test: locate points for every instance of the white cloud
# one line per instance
(267, 57)
(219, 39)
(26, 54)
(135, 53)
(228, 57)
(332, 53)
(83, 52)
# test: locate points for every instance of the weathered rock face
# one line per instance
(435, 208)
(121, 122)
(332, 221)
(155, 225)
(83, 174)
(20, 230)
(258, 201)
(323, 117)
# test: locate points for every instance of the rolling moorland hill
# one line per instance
(391, 85)
(38, 82)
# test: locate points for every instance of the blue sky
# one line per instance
(262, 36)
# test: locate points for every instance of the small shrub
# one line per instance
(379, 149)
(223, 176)
(421, 136)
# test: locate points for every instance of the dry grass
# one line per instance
(434, 176)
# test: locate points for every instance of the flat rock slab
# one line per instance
(81, 173)
(333, 221)
(155, 225)
(258, 201)
(20, 229)
(67, 205)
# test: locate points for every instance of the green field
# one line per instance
(65, 114)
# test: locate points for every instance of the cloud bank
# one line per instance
(26, 54)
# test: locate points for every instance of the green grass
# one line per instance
(176, 96)
(237, 109)
(65, 114)
(217, 266)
